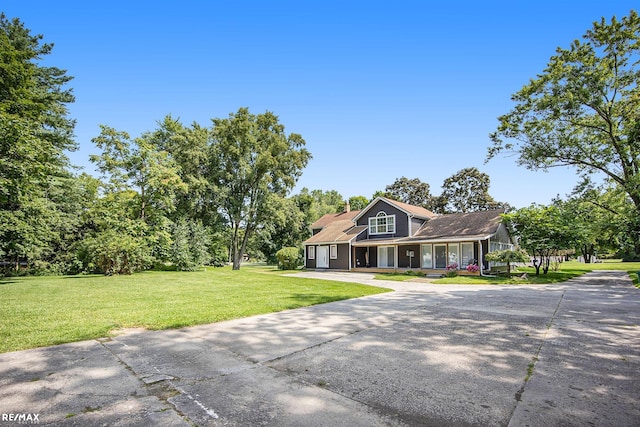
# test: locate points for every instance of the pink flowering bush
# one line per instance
(473, 268)
(451, 270)
(452, 266)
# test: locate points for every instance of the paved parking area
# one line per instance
(424, 354)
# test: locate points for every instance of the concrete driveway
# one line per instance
(442, 355)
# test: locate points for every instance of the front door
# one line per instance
(441, 255)
(322, 257)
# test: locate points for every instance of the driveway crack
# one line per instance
(536, 356)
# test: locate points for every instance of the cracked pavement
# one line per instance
(448, 355)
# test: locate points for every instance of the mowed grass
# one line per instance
(566, 271)
(43, 311)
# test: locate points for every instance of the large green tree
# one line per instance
(411, 191)
(254, 160)
(467, 191)
(138, 164)
(36, 131)
(583, 110)
(542, 231)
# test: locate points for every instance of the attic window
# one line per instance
(382, 223)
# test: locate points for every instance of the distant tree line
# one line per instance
(188, 195)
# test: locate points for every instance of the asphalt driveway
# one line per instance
(425, 354)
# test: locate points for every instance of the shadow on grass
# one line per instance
(315, 299)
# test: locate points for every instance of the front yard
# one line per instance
(42, 311)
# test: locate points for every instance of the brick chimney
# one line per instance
(347, 207)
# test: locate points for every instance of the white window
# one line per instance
(311, 252)
(467, 254)
(382, 223)
(333, 251)
(454, 256)
(427, 257)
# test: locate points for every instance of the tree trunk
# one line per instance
(234, 248)
(536, 264)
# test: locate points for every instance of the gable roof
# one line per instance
(327, 219)
(418, 211)
(470, 225)
(340, 231)
(411, 210)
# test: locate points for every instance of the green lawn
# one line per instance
(566, 271)
(42, 311)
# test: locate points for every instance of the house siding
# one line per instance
(416, 223)
(502, 235)
(310, 263)
(402, 224)
(342, 262)
(403, 259)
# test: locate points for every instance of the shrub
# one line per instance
(473, 268)
(288, 258)
(452, 270)
(114, 253)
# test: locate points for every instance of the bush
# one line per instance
(289, 258)
(114, 253)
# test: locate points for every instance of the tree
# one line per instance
(316, 203)
(190, 245)
(254, 160)
(583, 111)
(358, 203)
(117, 240)
(603, 217)
(411, 191)
(187, 149)
(287, 227)
(507, 256)
(467, 191)
(542, 231)
(141, 166)
(35, 133)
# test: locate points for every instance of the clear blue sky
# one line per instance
(378, 90)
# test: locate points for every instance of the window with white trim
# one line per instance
(311, 252)
(382, 223)
(333, 251)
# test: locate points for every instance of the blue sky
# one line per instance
(378, 90)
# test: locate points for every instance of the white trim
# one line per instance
(312, 252)
(480, 257)
(331, 248)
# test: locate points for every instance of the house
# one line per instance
(389, 235)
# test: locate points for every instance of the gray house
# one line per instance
(388, 236)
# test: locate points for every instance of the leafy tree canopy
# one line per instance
(34, 134)
(411, 191)
(254, 160)
(583, 111)
(467, 191)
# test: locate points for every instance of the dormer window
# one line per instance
(382, 223)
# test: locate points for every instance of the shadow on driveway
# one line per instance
(562, 354)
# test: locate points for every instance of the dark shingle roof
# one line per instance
(458, 225)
